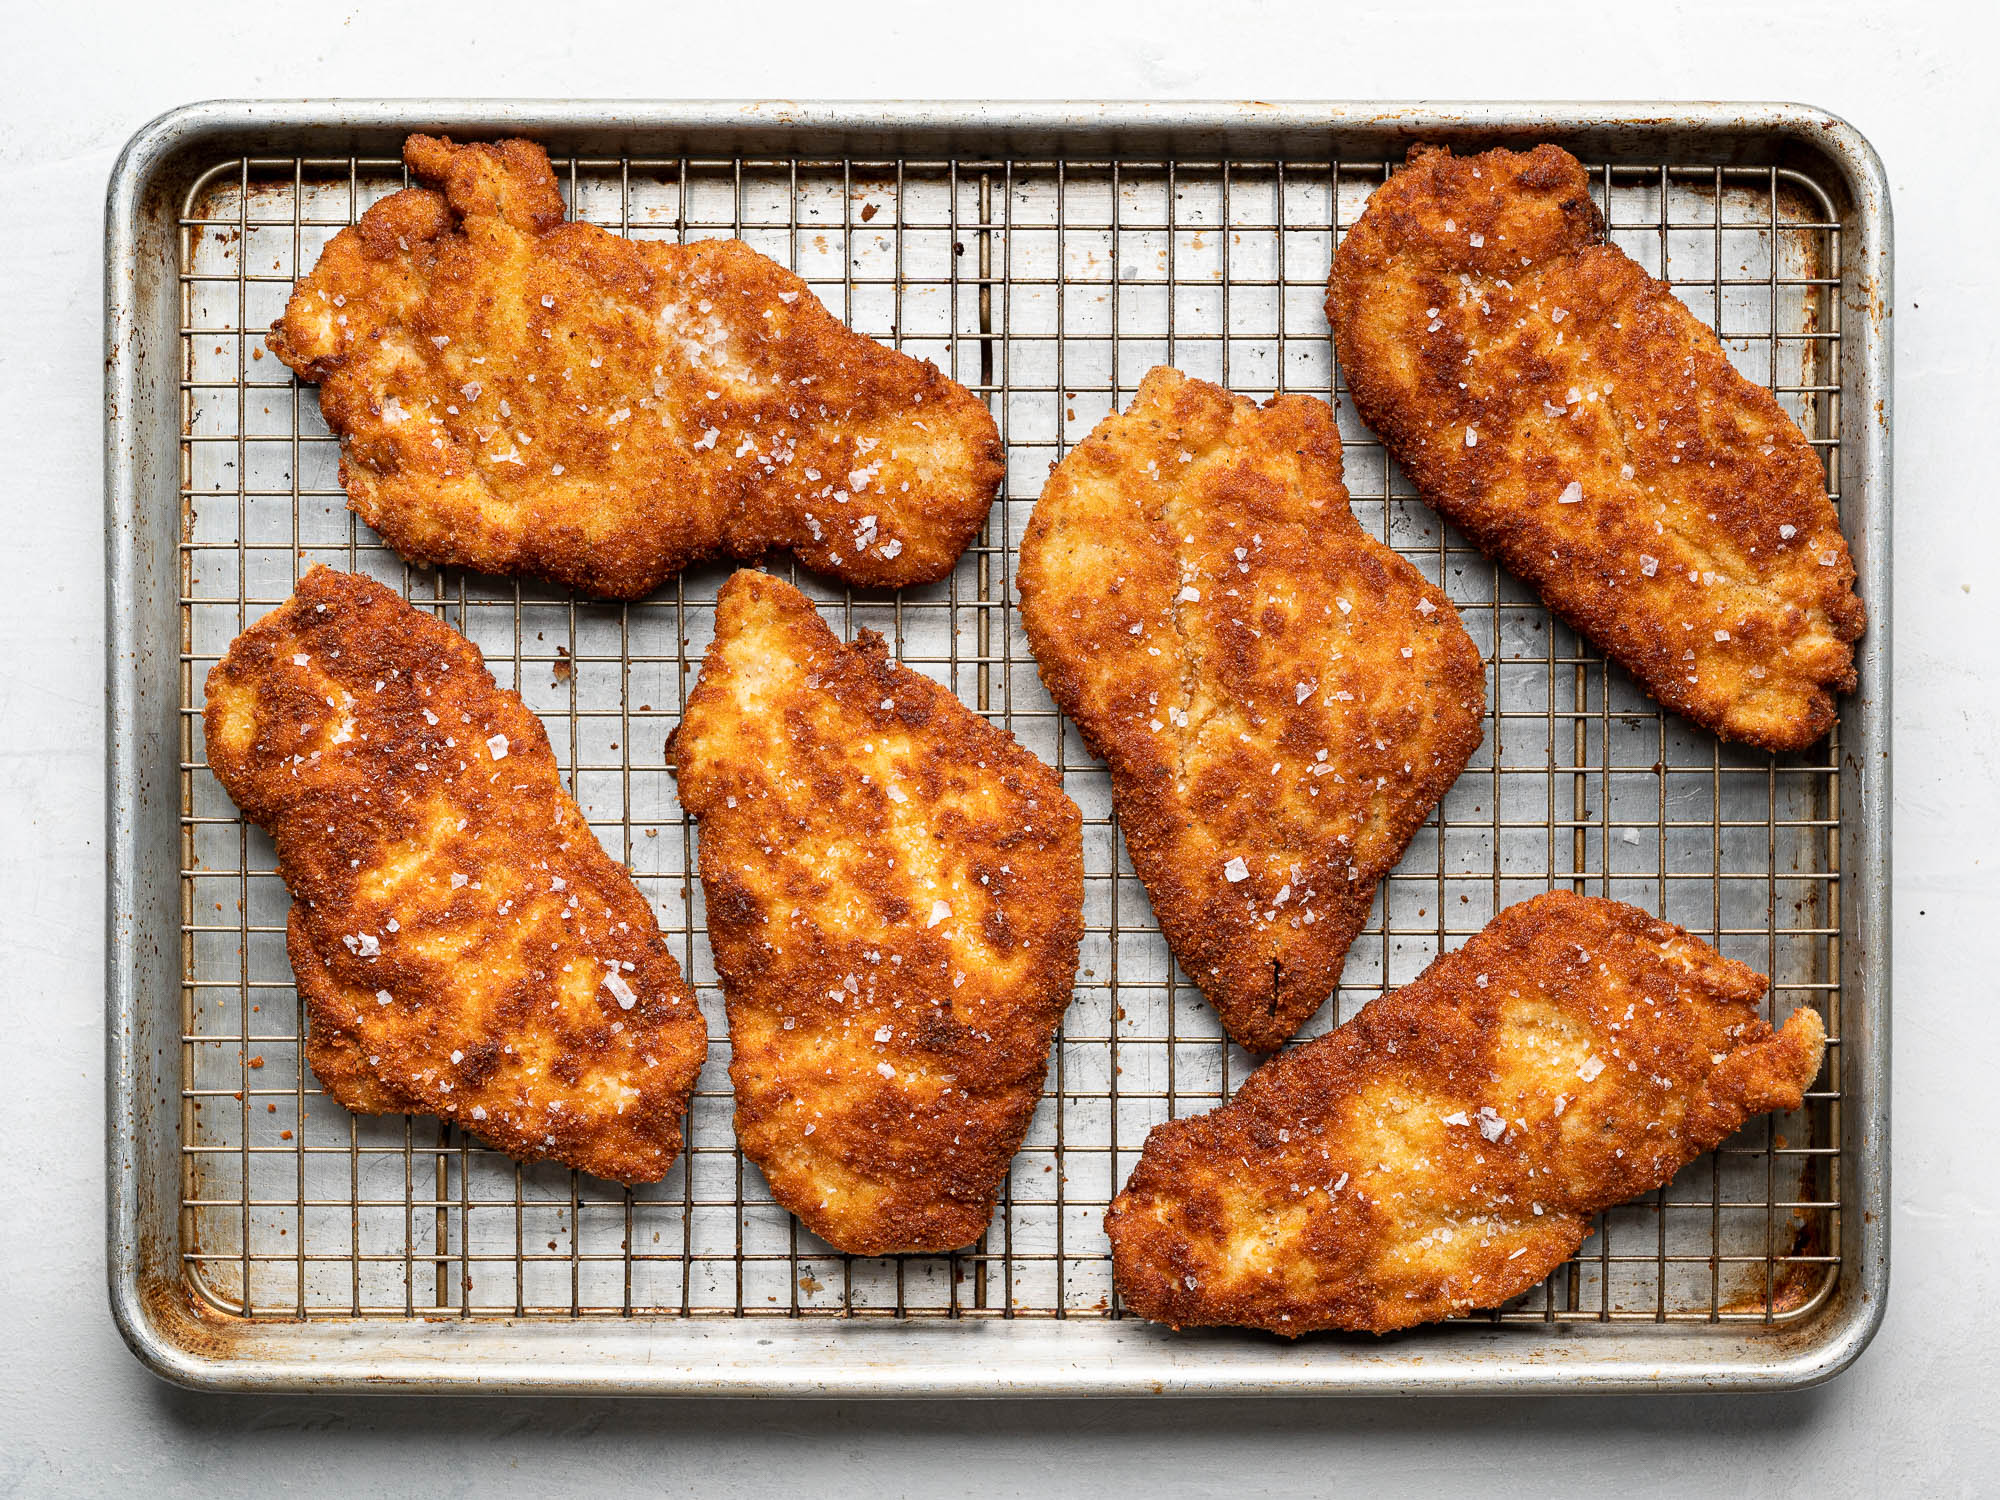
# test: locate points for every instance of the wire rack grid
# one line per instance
(1049, 287)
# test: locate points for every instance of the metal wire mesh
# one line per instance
(1048, 286)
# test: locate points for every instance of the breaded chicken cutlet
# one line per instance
(1582, 426)
(462, 944)
(1281, 699)
(522, 394)
(895, 899)
(1446, 1148)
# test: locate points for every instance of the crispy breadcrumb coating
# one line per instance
(1566, 410)
(523, 394)
(463, 945)
(894, 891)
(1281, 698)
(1446, 1148)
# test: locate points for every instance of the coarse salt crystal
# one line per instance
(300, 659)
(1590, 1067)
(939, 911)
(883, 1033)
(496, 746)
(1235, 870)
(1648, 565)
(1572, 493)
(885, 1070)
(1472, 437)
(620, 991)
(1786, 533)
(383, 997)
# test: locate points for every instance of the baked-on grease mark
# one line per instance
(1281, 698)
(894, 890)
(1564, 409)
(1446, 1148)
(524, 394)
(463, 945)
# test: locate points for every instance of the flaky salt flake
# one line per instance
(1472, 437)
(496, 746)
(300, 659)
(1304, 690)
(1786, 533)
(1235, 870)
(1721, 635)
(383, 997)
(883, 1033)
(1190, 594)
(1491, 1126)
(1425, 607)
(885, 1070)
(1648, 564)
(1572, 493)
(620, 991)
(1456, 1117)
(1590, 1067)
(939, 911)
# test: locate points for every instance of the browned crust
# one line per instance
(1478, 294)
(887, 1054)
(465, 886)
(522, 394)
(1446, 1148)
(1303, 714)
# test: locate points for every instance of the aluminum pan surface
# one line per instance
(875, 1358)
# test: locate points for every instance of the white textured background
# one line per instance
(1917, 1415)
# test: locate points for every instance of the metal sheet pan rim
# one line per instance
(1021, 1357)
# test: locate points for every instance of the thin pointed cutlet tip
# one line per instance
(1565, 409)
(894, 891)
(1446, 1148)
(524, 393)
(1281, 698)
(463, 945)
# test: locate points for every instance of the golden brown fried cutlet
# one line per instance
(1561, 406)
(895, 899)
(522, 394)
(1446, 1148)
(463, 945)
(1281, 699)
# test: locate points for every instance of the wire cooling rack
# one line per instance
(1049, 286)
